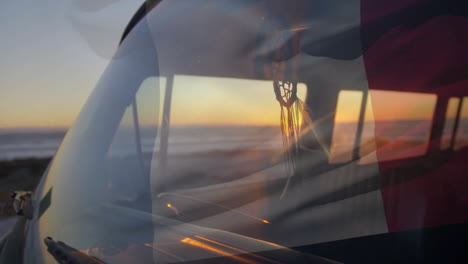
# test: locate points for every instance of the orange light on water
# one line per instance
(174, 209)
(211, 203)
(238, 250)
(207, 247)
(164, 252)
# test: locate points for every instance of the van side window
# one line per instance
(450, 118)
(396, 125)
(461, 139)
(346, 125)
(401, 123)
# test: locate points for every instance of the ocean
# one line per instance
(43, 143)
(29, 143)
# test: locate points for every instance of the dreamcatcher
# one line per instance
(277, 47)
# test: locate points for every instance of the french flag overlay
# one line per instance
(420, 46)
(406, 47)
(410, 47)
(389, 172)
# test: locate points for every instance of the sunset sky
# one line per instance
(223, 101)
(385, 105)
(55, 51)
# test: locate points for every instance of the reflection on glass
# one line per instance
(397, 128)
(450, 116)
(346, 124)
(461, 139)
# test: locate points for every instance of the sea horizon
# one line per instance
(43, 142)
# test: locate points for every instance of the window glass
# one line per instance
(397, 125)
(450, 116)
(222, 129)
(132, 145)
(461, 139)
(368, 143)
(346, 124)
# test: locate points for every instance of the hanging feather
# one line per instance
(290, 115)
(277, 46)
